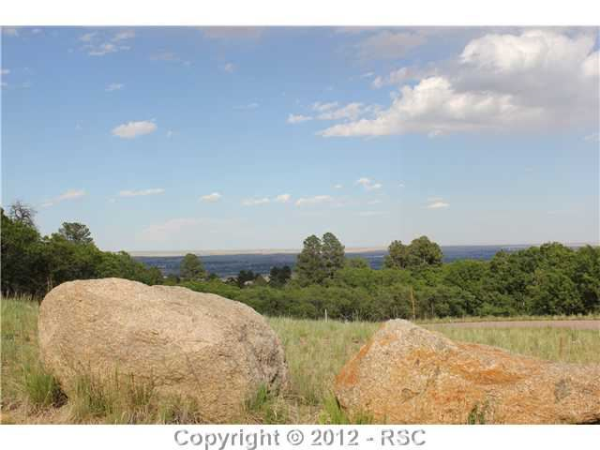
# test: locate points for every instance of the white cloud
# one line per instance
(401, 185)
(122, 35)
(316, 200)
(374, 202)
(338, 186)
(99, 44)
(256, 201)
(293, 118)
(87, 37)
(322, 107)
(400, 76)
(170, 134)
(104, 49)
(283, 198)
(211, 198)
(142, 192)
(437, 203)
(4, 72)
(351, 111)
(131, 130)
(369, 184)
(72, 194)
(229, 67)
(389, 45)
(114, 87)
(535, 80)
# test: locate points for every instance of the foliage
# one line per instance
(33, 264)
(76, 232)
(191, 268)
(279, 276)
(421, 252)
(319, 259)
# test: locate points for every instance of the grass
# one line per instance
(315, 353)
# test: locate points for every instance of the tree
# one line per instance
(332, 254)
(21, 213)
(191, 268)
(76, 232)
(357, 263)
(397, 257)
(552, 292)
(309, 264)
(279, 276)
(23, 261)
(420, 253)
(423, 252)
(244, 277)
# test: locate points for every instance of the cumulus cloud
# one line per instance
(334, 111)
(142, 192)
(316, 200)
(211, 198)
(283, 198)
(122, 35)
(114, 87)
(369, 184)
(72, 194)
(132, 130)
(298, 118)
(437, 203)
(99, 44)
(535, 80)
(229, 67)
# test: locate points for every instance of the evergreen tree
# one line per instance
(309, 264)
(332, 254)
(76, 232)
(191, 268)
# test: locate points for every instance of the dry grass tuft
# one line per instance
(315, 353)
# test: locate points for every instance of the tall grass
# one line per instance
(315, 353)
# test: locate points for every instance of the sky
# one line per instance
(180, 138)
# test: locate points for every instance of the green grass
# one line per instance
(315, 353)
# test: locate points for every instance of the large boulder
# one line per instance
(191, 345)
(406, 374)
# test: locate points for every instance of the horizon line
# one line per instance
(361, 249)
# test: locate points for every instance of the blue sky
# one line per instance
(237, 138)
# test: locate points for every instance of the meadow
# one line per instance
(315, 352)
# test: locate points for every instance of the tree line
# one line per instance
(551, 279)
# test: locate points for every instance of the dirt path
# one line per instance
(573, 324)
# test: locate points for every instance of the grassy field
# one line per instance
(315, 351)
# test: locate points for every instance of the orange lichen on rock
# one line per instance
(407, 374)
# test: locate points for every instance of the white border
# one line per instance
(301, 12)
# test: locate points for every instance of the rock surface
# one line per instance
(187, 344)
(406, 374)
